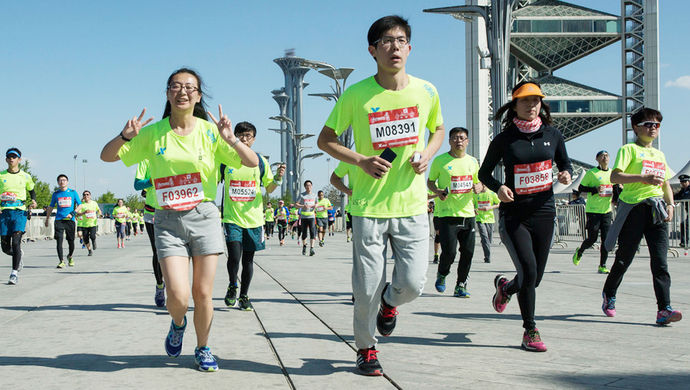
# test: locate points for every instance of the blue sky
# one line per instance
(75, 71)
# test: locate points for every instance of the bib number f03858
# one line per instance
(533, 178)
(180, 192)
(394, 128)
(655, 168)
(242, 190)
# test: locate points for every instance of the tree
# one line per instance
(134, 202)
(108, 197)
(333, 194)
(41, 188)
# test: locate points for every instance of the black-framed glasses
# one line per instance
(387, 41)
(458, 138)
(247, 136)
(650, 124)
(176, 87)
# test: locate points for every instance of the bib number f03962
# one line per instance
(394, 128)
(533, 178)
(242, 190)
(180, 192)
(460, 184)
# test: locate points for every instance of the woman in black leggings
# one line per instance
(528, 146)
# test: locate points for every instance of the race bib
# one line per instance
(606, 190)
(64, 202)
(533, 178)
(309, 204)
(654, 168)
(393, 128)
(90, 215)
(242, 190)
(8, 197)
(320, 208)
(484, 203)
(460, 184)
(282, 216)
(180, 192)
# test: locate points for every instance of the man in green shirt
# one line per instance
(600, 192)
(453, 177)
(323, 204)
(270, 220)
(485, 201)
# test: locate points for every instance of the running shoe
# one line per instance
(349, 239)
(367, 362)
(603, 269)
(500, 299)
(321, 243)
(245, 304)
(159, 298)
(90, 252)
(531, 341)
(173, 342)
(304, 250)
(461, 291)
(663, 317)
(609, 305)
(70, 262)
(61, 264)
(14, 279)
(204, 359)
(577, 257)
(231, 296)
(386, 317)
(312, 252)
(440, 283)
(435, 259)
(83, 246)
(487, 260)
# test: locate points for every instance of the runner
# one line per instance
(293, 220)
(437, 226)
(344, 169)
(307, 203)
(14, 184)
(120, 216)
(528, 145)
(644, 208)
(485, 201)
(128, 224)
(66, 200)
(453, 177)
(142, 181)
(683, 194)
(600, 193)
(281, 215)
(184, 153)
(243, 215)
(388, 110)
(89, 212)
(323, 205)
(270, 219)
(331, 221)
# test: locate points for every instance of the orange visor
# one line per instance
(528, 89)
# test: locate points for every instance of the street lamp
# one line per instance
(84, 161)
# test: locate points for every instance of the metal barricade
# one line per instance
(570, 224)
(678, 229)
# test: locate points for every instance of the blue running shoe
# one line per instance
(159, 298)
(173, 343)
(440, 283)
(204, 359)
(461, 291)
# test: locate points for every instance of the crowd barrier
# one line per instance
(36, 229)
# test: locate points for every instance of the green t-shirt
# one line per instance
(294, 214)
(90, 216)
(383, 118)
(13, 189)
(120, 214)
(485, 199)
(269, 215)
(344, 169)
(322, 207)
(183, 169)
(599, 203)
(458, 175)
(243, 205)
(635, 159)
(143, 173)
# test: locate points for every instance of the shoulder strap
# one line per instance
(262, 166)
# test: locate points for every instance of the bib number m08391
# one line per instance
(394, 128)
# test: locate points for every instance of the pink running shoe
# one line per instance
(668, 315)
(609, 306)
(531, 341)
(500, 299)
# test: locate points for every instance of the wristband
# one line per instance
(124, 138)
(235, 143)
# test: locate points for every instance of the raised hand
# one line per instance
(564, 177)
(224, 125)
(135, 124)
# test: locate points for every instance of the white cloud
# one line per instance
(681, 82)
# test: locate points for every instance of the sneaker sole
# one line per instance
(231, 303)
(674, 318)
(530, 349)
(209, 369)
(372, 373)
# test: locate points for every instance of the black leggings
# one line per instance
(639, 223)
(528, 242)
(235, 253)
(282, 225)
(156, 265)
(453, 230)
(12, 246)
(89, 234)
(595, 223)
(65, 228)
(308, 224)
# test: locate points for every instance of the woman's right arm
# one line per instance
(131, 130)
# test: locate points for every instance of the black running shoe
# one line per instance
(368, 363)
(385, 319)
(312, 252)
(304, 250)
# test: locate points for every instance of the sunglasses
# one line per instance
(650, 124)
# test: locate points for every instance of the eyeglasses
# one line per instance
(247, 136)
(387, 42)
(650, 124)
(176, 87)
(462, 139)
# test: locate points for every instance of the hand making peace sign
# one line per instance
(133, 125)
(224, 125)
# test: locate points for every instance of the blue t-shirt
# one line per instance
(331, 214)
(66, 202)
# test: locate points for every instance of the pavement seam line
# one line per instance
(275, 351)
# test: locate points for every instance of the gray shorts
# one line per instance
(322, 222)
(194, 232)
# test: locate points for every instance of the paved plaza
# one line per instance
(95, 326)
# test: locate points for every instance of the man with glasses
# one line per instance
(66, 200)
(453, 177)
(14, 184)
(89, 213)
(388, 112)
